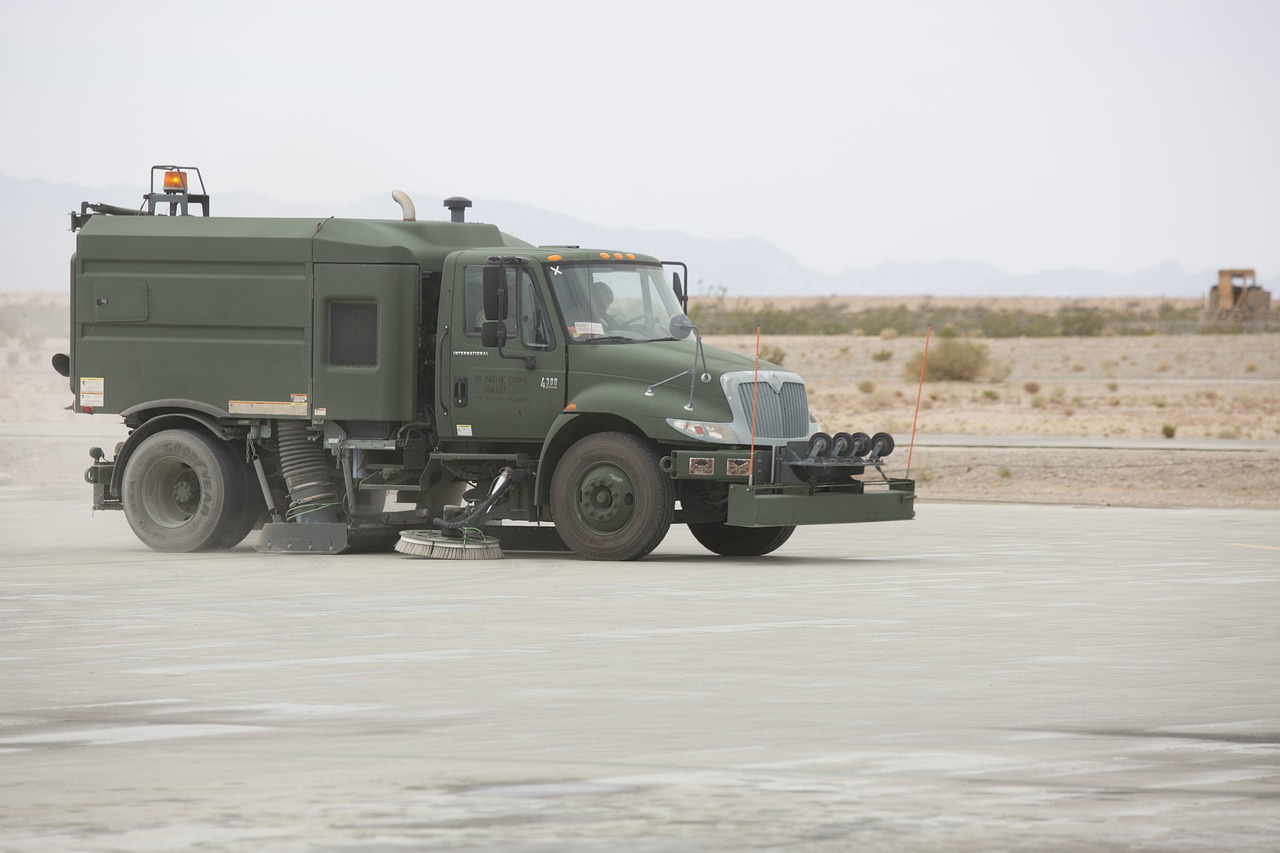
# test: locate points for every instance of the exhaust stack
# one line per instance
(406, 205)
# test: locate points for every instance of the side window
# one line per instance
(526, 315)
(353, 334)
(473, 301)
(535, 328)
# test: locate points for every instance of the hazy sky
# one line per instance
(1031, 135)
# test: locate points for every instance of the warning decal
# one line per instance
(92, 390)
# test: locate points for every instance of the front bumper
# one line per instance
(774, 506)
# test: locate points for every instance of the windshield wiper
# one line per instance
(611, 339)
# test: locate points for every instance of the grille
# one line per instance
(779, 414)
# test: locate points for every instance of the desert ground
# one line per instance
(1187, 420)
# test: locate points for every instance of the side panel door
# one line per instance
(363, 358)
(492, 397)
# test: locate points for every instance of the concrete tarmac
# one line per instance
(981, 678)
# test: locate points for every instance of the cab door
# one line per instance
(511, 393)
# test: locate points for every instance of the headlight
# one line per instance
(703, 430)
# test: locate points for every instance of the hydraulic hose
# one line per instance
(500, 486)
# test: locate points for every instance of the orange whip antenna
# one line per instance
(919, 391)
(755, 396)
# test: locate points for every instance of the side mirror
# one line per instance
(680, 326)
(62, 364)
(495, 293)
(680, 284)
(493, 333)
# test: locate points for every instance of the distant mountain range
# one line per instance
(37, 246)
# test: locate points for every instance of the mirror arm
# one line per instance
(698, 351)
(528, 360)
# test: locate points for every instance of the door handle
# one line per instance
(460, 391)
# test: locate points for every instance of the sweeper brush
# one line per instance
(438, 545)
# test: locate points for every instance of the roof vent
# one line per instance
(457, 208)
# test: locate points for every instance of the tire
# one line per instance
(727, 541)
(609, 498)
(186, 491)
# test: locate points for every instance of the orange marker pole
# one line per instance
(919, 391)
(755, 392)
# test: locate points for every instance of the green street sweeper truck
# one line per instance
(354, 383)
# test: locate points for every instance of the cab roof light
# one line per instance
(175, 181)
(175, 190)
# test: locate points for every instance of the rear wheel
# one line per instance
(609, 498)
(727, 541)
(186, 491)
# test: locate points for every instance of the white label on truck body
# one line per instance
(295, 406)
(92, 390)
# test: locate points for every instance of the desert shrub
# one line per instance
(1004, 323)
(772, 353)
(950, 360)
(716, 317)
(1168, 430)
(1031, 387)
(1004, 473)
(715, 314)
(866, 386)
(989, 394)
(882, 355)
(1077, 322)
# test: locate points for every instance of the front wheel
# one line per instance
(609, 498)
(727, 541)
(186, 491)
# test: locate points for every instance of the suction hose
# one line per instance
(312, 498)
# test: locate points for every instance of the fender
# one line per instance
(565, 430)
(166, 414)
(570, 426)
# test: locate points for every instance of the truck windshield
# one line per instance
(612, 303)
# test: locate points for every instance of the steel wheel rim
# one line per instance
(606, 498)
(171, 492)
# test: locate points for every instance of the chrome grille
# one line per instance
(779, 414)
